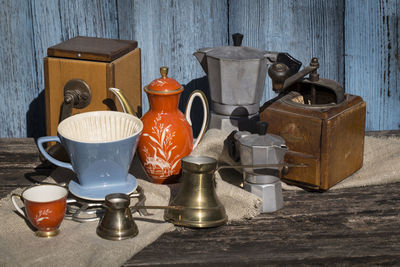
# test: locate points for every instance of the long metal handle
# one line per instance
(261, 166)
(157, 207)
(95, 214)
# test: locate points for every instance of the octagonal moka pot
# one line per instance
(236, 76)
(257, 149)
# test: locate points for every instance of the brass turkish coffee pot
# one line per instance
(197, 194)
(117, 222)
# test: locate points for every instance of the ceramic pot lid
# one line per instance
(164, 85)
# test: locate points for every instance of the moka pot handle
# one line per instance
(203, 98)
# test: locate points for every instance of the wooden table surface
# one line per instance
(355, 226)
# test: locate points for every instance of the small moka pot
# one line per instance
(256, 150)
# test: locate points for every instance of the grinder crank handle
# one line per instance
(283, 66)
(282, 76)
(292, 63)
(284, 58)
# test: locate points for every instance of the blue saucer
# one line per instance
(99, 193)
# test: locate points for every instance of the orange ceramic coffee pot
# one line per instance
(167, 133)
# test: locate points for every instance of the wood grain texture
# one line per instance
(23, 148)
(96, 18)
(62, 70)
(47, 32)
(46, 26)
(304, 29)
(372, 60)
(168, 32)
(349, 227)
(17, 67)
(20, 164)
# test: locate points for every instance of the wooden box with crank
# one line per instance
(322, 126)
(79, 71)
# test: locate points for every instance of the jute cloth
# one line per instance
(78, 244)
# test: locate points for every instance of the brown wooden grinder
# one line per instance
(323, 127)
(78, 73)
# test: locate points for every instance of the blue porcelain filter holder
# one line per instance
(100, 146)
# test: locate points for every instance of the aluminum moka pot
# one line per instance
(255, 149)
(236, 76)
(197, 195)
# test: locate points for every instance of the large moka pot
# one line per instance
(236, 76)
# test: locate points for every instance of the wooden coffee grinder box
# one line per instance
(79, 71)
(323, 128)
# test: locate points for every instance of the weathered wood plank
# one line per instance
(20, 164)
(304, 29)
(18, 153)
(17, 67)
(372, 61)
(88, 18)
(349, 226)
(46, 25)
(169, 32)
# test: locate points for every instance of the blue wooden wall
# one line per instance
(357, 43)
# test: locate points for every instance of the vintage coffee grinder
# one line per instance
(236, 76)
(322, 126)
(79, 71)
